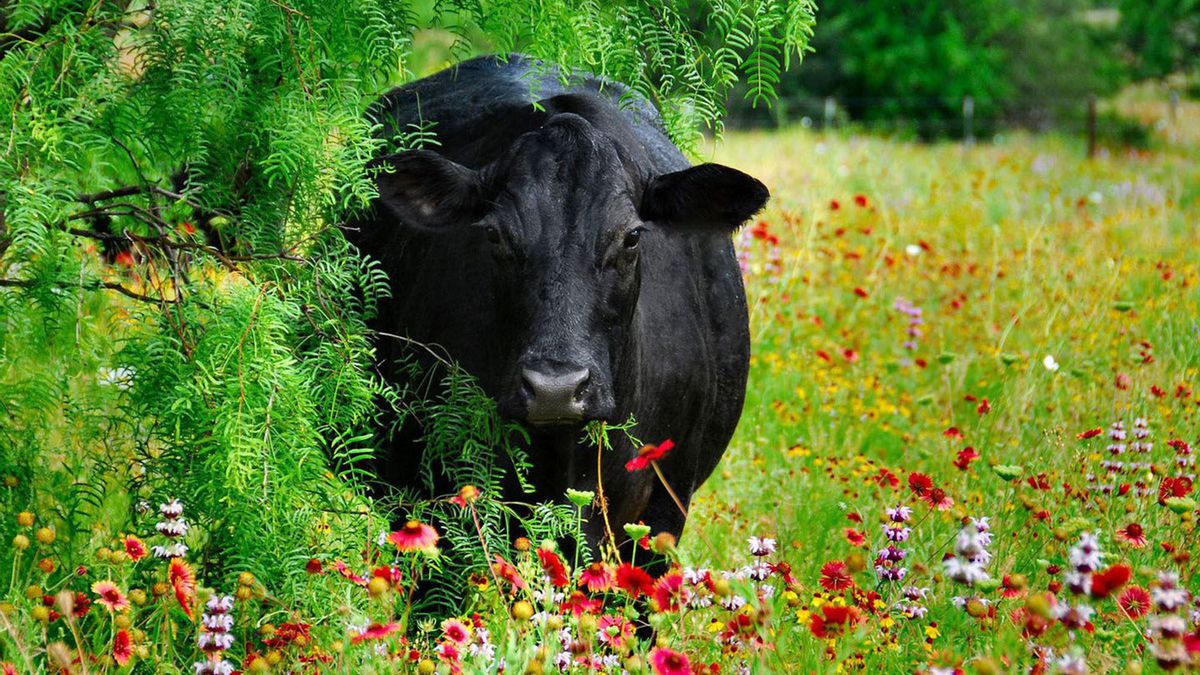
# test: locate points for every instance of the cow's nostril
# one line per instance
(554, 397)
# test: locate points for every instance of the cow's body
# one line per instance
(680, 361)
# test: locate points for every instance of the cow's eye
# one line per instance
(632, 238)
(493, 234)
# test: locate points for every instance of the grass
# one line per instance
(1052, 297)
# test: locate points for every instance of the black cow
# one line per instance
(565, 253)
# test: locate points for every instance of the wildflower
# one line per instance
(965, 457)
(506, 571)
(900, 514)
(939, 500)
(1050, 364)
(615, 631)
(1106, 582)
(1168, 596)
(414, 536)
(919, 483)
(466, 495)
(173, 527)
(183, 581)
(110, 596)
(134, 548)
(376, 631)
(649, 454)
(1134, 601)
(579, 604)
(835, 576)
(344, 570)
(1132, 534)
(554, 567)
(597, 577)
(456, 631)
(761, 547)
(670, 662)
(216, 622)
(834, 621)
(669, 591)
(634, 580)
(213, 667)
(1086, 556)
(122, 647)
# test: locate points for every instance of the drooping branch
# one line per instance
(90, 285)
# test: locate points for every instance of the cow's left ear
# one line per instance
(427, 191)
(708, 195)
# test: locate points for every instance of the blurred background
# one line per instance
(975, 68)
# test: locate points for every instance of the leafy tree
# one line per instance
(1161, 36)
(180, 315)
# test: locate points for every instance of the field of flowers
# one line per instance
(969, 446)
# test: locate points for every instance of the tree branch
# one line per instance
(89, 286)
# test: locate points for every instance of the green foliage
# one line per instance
(1161, 36)
(910, 65)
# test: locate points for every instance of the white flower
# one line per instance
(120, 377)
(912, 250)
(761, 547)
(1050, 364)
(172, 509)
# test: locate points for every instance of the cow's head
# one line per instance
(567, 215)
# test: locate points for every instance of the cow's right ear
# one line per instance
(427, 191)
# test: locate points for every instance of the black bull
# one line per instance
(562, 250)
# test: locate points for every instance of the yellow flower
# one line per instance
(932, 633)
(803, 615)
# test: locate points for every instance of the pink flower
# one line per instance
(456, 631)
(597, 577)
(122, 647)
(183, 580)
(110, 596)
(615, 631)
(135, 548)
(376, 631)
(414, 536)
(670, 662)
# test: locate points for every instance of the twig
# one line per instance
(90, 286)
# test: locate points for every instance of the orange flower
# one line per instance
(110, 596)
(135, 548)
(183, 580)
(414, 536)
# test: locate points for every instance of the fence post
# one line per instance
(968, 110)
(1091, 127)
(830, 111)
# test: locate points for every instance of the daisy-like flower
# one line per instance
(648, 454)
(109, 595)
(554, 567)
(456, 631)
(597, 577)
(939, 500)
(122, 647)
(669, 592)
(615, 631)
(835, 576)
(670, 662)
(1050, 364)
(1135, 601)
(414, 536)
(832, 621)
(134, 548)
(634, 580)
(376, 631)
(761, 547)
(183, 582)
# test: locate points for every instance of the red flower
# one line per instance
(110, 596)
(861, 200)
(1174, 486)
(467, 495)
(597, 577)
(1105, 583)
(861, 292)
(580, 604)
(648, 454)
(855, 537)
(835, 576)
(834, 205)
(668, 591)
(833, 622)
(670, 662)
(134, 548)
(618, 638)
(887, 479)
(1090, 433)
(506, 571)
(183, 580)
(634, 580)
(952, 432)
(984, 407)
(124, 259)
(389, 573)
(456, 631)
(122, 647)
(965, 457)
(554, 567)
(376, 631)
(938, 499)
(414, 536)
(1132, 534)
(919, 483)
(1134, 601)
(313, 566)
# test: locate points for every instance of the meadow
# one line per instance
(968, 446)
